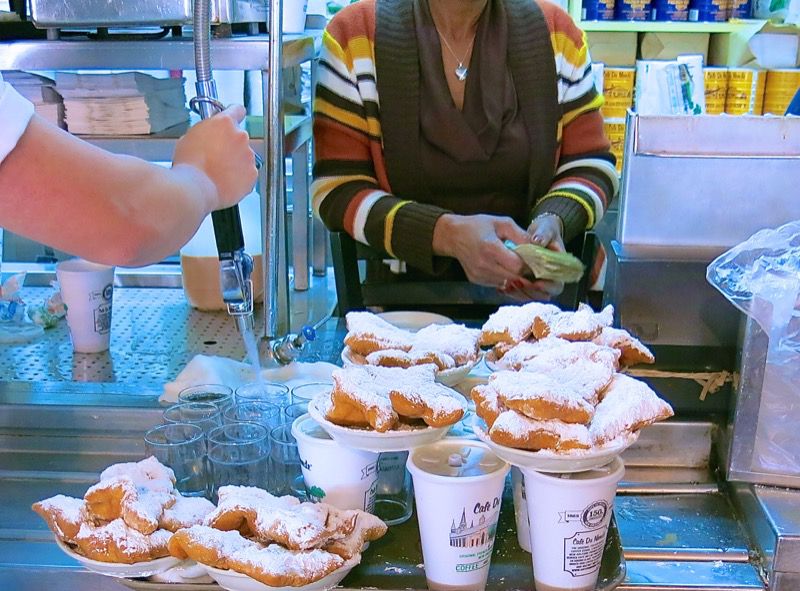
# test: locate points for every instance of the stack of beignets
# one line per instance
(558, 387)
(127, 517)
(384, 398)
(278, 541)
(373, 341)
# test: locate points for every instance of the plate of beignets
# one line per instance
(119, 569)
(234, 581)
(387, 408)
(371, 340)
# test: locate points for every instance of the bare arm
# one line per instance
(64, 192)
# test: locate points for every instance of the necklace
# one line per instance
(461, 70)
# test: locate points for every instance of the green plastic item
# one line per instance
(549, 264)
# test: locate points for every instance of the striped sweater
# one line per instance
(351, 190)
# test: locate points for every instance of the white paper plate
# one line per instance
(374, 441)
(447, 377)
(414, 321)
(116, 569)
(545, 460)
(233, 581)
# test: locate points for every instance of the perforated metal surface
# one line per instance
(154, 333)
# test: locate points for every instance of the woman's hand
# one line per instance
(544, 230)
(477, 242)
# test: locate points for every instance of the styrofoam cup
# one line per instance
(343, 477)
(520, 509)
(458, 488)
(294, 16)
(569, 516)
(87, 289)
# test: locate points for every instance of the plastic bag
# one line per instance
(761, 277)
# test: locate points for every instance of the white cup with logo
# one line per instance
(458, 489)
(569, 516)
(343, 477)
(520, 509)
(87, 290)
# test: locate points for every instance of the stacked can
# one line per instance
(615, 132)
(716, 86)
(780, 89)
(708, 10)
(618, 91)
(632, 10)
(670, 10)
(740, 9)
(745, 94)
(597, 10)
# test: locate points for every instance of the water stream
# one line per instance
(250, 346)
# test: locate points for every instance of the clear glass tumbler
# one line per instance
(286, 473)
(265, 414)
(272, 392)
(203, 414)
(219, 395)
(394, 501)
(307, 392)
(182, 447)
(238, 454)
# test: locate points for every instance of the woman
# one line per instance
(445, 127)
(114, 209)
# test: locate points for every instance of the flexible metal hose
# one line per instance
(201, 23)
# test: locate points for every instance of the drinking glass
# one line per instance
(287, 475)
(298, 409)
(203, 414)
(307, 392)
(238, 454)
(265, 414)
(272, 392)
(394, 501)
(217, 394)
(182, 447)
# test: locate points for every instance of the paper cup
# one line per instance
(520, 509)
(87, 290)
(343, 477)
(569, 516)
(294, 16)
(458, 488)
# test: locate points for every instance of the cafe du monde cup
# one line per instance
(569, 516)
(343, 477)
(458, 488)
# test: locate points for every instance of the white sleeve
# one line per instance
(15, 113)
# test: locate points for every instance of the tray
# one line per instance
(395, 561)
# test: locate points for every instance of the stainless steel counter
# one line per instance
(64, 417)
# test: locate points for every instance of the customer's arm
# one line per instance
(64, 192)
(586, 179)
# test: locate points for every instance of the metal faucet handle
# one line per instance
(196, 105)
(237, 288)
(290, 347)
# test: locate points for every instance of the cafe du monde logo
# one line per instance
(592, 516)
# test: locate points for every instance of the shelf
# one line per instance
(170, 53)
(160, 146)
(670, 27)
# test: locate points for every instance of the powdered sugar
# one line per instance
(454, 340)
(148, 473)
(223, 543)
(186, 512)
(519, 387)
(68, 508)
(127, 540)
(512, 324)
(628, 404)
(631, 349)
(276, 561)
(521, 427)
(365, 326)
(581, 325)
(301, 527)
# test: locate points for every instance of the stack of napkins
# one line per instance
(41, 92)
(129, 103)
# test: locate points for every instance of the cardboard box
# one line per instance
(668, 46)
(613, 49)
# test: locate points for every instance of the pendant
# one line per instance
(461, 72)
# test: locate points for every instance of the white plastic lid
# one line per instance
(457, 458)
